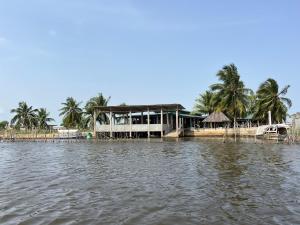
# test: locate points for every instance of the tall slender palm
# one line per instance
(231, 92)
(96, 101)
(271, 98)
(205, 103)
(71, 113)
(43, 119)
(25, 116)
(251, 106)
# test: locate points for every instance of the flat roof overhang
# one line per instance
(139, 108)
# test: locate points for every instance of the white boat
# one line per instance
(273, 132)
(69, 134)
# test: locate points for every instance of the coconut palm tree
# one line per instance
(3, 125)
(96, 101)
(43, 119)
(231, 93)
(25, 116)
(252, 98)
(71, 113)
(271, 98)
(205, 103)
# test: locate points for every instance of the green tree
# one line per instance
(43, 119)
(252, 98)
(271, 98)
(25, 116)
(231, 94)
(96, 101)
(205, 103)
(3, 125)
(72, 113)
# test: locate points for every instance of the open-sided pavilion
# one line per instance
(141, 120)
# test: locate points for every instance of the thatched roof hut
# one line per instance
(216, 117)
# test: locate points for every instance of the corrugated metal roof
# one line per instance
(140, 108)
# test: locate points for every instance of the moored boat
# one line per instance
(273, 132)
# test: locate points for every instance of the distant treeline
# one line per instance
(229, 96)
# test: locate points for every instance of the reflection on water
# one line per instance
(192, 181)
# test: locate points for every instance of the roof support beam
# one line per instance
(95, 121)
(162, 122)
(148, 122)
(130, 124)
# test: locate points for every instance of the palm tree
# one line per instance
(252, 98)
(25, 116)
(43, 119)
(231, 93)
(205, 103)
(270, 98)
(71, 113)
(96, 101)
(3, 125)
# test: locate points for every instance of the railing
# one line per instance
(133, 128)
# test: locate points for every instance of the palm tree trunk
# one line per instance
(234, 120)
(234, 128)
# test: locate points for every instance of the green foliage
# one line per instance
(72, 113)
(25, 116)
(43, 119)
(231, 97)
(270, 98)
(205, 103)
(3, 125)
(231, 94)
(252, 98)
(97, 101)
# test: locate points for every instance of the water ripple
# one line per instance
(193, 181)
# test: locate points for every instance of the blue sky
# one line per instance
(142, 52)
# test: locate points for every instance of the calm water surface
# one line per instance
(193, 181)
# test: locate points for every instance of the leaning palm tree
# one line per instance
(205, 103)
(25, 116)
(43, 119)
(231, 93)
(96, 101)
(71, 113)
(271, 98)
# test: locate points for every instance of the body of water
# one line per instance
(191, 181)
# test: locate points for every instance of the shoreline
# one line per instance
(196, 133)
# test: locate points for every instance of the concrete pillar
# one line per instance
(177, 125)
(142, 118)
(95, 122)
(130, 124)
(110, 125)
(162, 123)
(270, 118)
(148, 122)
(168, 122)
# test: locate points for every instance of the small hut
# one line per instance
(217, 119)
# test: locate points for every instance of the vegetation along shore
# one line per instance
(245, 109)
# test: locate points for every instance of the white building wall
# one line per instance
(134, 128)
